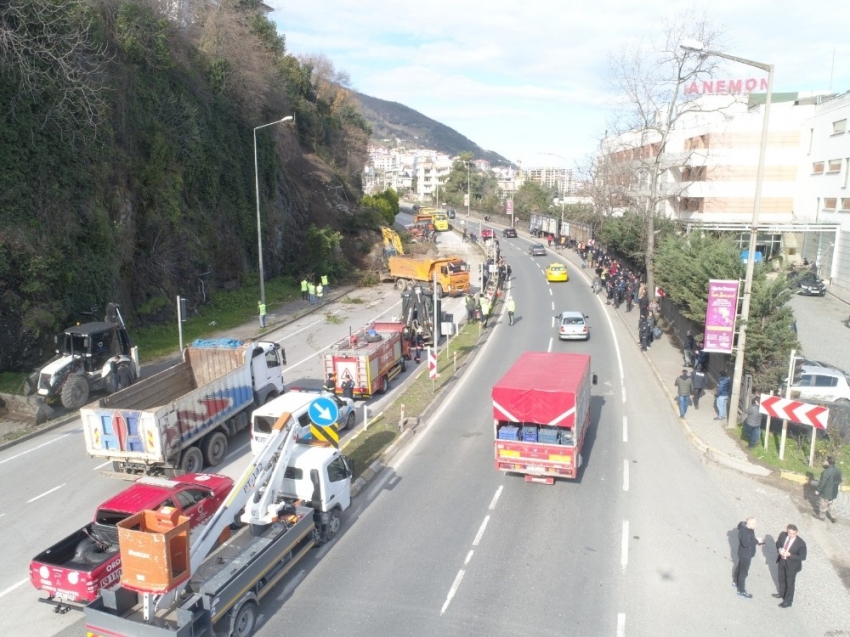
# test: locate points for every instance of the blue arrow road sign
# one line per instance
(323, 411)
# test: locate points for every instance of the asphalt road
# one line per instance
(444, 544)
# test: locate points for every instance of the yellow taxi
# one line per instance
(557, 272)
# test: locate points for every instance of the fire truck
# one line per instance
(369, 358)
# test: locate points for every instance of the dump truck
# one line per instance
(370, 358)
(292, 494)
(74, 569)
(179, 420)
(408, 271)
(541, 411)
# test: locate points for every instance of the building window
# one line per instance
(690, 204)
(693, 173)
(829, 203)
(817, 168)
(845, 204)
(834, 166)
(839, 127)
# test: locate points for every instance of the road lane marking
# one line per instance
(625, 429)
(624, 548)
(13, 587)
(624, 392)
(553, 320)
(625, 475)
(38, 497)
(495, 499)
(44, 444)
(306, 327)
(553, 307)
(549, 349)
(550, 291)
(468, 557)
(481, 530)
(621, 625)
(100, 466)
(452, 591)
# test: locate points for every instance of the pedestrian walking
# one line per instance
(688, 349)
(311, 293)
(485, 310)
(685, 388)
(320, 293)
(827, 489)
(470, 308)
(508, 271)
(792, 552)
(304, 295)
(699, 379)
(724, 386)
(262, 310)
(752, 424)
(747, 542)
(643, 332)
(510, 306)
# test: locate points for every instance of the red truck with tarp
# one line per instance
(541, 408)
(370, 358)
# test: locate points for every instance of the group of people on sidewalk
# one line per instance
(314, 291)
(691, 387)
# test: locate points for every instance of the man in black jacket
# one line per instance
(792, 552)
(747, 542)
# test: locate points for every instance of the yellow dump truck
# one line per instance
(408, 271)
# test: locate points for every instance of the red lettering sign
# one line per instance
(725, 87)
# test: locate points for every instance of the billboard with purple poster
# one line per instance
(720, 316)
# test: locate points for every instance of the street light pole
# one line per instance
(738, 374)
(259, 219)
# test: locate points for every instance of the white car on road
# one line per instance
(572, 325)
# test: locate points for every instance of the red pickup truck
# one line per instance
(75, 569)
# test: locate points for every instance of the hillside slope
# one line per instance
(391, 120)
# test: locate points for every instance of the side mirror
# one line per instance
(594, 379)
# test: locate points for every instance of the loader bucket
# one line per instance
(30, 410)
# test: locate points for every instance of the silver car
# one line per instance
(573, 325)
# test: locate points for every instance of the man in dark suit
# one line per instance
(792, 552)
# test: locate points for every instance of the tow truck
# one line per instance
(292, 494)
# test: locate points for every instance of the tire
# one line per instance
(385, 385)
(349, 421)
(333, 525)
(75, 392)
(400, 285)
(403, 364)
(245, 620)
(191, 460)
(214, 448)
(117, 466)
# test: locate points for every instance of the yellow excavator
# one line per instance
(392, 242)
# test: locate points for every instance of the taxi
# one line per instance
(557, 272)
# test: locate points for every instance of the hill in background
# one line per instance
(391, 120)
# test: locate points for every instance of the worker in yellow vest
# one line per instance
(311, 292)
(304, 295)
(320, 292)
(325, 282)
(262, 307)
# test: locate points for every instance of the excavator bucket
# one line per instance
(29, 410)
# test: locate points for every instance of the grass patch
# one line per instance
(11, 382)
(14, 434)
(348, 300)
(227, 309)
(369, 445)
(332, 318)
(796, 452)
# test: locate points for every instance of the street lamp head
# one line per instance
(288, 118)
(689, 44)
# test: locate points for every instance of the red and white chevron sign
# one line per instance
(794, 410)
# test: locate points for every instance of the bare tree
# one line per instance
(652, 76)
(50, 50)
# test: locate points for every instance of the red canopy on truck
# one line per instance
(544, 388)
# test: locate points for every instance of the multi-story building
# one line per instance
(558, 179)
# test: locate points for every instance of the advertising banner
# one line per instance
(720, 316)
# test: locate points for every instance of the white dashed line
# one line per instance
(481, 530)
(553, 306)
(621, 625)
(468, 558)
(624, 393)
(495, 499)
(549, 349)
(38, 497)
(625, 475)
(13, 587)
(550, 291)
(553, 321)
(624, 548)
(452, 591)
(625, 429)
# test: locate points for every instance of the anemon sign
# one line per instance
(726, 87)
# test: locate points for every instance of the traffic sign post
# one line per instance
(432, 368)
(802, 413)
(323, 411)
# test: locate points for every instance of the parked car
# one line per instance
(557, 272)
(807, 284)
(822, 383)
(509, 232)
(572, 325)
(537, 250)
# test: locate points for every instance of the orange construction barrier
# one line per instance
(154, 548)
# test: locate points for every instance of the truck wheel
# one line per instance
(385, 385)
(400, 285)
(410, 284)
(192, 460)
(214, 448)
(333, 525)
(349, 421)
(403, 364)
(75, 392)
(245, 620)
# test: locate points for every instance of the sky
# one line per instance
(531, 77)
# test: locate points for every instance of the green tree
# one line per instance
(384, 203)
(531, 197)
(323, 250)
